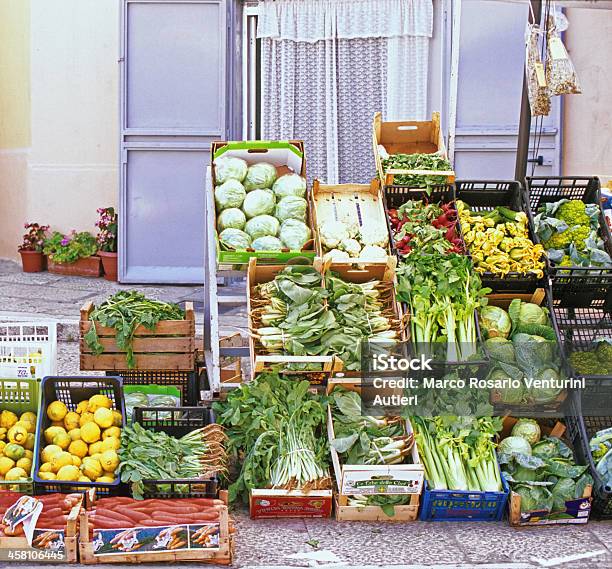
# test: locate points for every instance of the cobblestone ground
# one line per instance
(319, 543)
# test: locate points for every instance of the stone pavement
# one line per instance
(320, 543)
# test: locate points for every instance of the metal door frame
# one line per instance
(135, 138)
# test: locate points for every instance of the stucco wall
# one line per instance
(587, 131)
(72, 117)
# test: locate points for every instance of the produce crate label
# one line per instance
(153, 539)
(576, 512)
(50, 540)
(291, 506)
(26, 511)
(397, 479)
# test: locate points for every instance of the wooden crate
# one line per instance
(408, 137)
(343, 473)
(223, 555)
(71, 533)
(576, 512)
(366, 201)
(260, 361)
(169, 346)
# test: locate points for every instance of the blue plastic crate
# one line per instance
(462, 506)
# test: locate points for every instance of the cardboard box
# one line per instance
(268, 503)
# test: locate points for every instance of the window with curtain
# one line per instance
(328, 65)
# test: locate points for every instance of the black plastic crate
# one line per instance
(187, 382)
(71, 391)
(485, 195)
(574, 286)
(578, 329)
(396, 196)
(177, 422)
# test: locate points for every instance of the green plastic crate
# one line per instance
(19, 396)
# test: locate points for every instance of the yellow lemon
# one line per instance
(45, 467)
(82, 407)
(59, 424)
(76, 460)
(86, 418)
(2, 445)
(111, 443)
(83, 479)
(62, 440)
(60, 459)
(98, 401)
(97, 456)
(106, 479)
(51, 432)
(7, 419)
(28, 454)
(95, 448)
(75, 434)
(111, 432)
(29, 444)
(69, 472)
(29, 427)
(25, 463)
(78, 448)
(91, 468)
(117, 418)
(57, 411)
(16, 474)
(90, 432)
(18, 434)
(29, 417)
(5, 464)
(14, 451)
(71, 420)
(46, 475)
(109, 460)
(49, 452)
(103, 417)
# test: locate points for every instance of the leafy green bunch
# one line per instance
(442, 293)
(417, 162)
(124, 312)
(70, 248)
(275, 431)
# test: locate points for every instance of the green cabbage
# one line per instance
(231, 217)
(267, 243)
(260, 175)
(500, 349)
(258, 202)
(527, 429)
(495, 322)
(289, 185)
(291, 207)
(262, 225)
(294, 234)
(229, 194)
(230, 168)
(234, 239)
(514, 445)
(532, 314)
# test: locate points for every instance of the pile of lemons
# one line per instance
(81, 445)
(16, 445)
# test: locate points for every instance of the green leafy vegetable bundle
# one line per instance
(458, 453)
(148, 455)
(542, 472)
(296, 315)
(276, 431)
(570, 233)
(601, 450)
(361, 439)
(522, 345)
(442, 292)
(124, 312)
(417, 162)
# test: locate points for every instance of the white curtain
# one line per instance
(329, 65)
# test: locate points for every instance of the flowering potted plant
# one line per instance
(73, 254)
(107, 241)
(31, 250)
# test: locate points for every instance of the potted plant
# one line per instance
(107, 241)
(73, 254)
(31, 250)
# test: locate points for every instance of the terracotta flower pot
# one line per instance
(109, 264)
(32, 261)
(86, 267)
